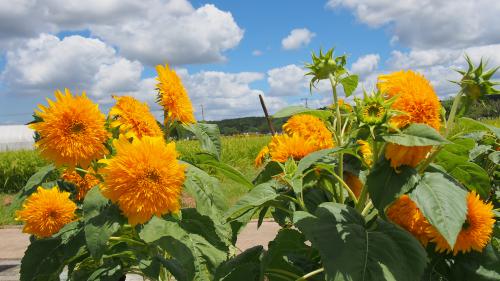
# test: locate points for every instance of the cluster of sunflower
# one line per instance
(125, 154)
(379, 156)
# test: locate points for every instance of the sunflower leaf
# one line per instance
(443, 203)
(416, 135)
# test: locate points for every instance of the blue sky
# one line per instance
(228, 52)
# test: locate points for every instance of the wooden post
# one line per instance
(264, 108)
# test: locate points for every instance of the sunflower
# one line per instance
(282, 147)
(406, 155)
(82, 184)
(46, 211)
(172, 96)
(476, 231)
(366, 152)
(354, 183)
(71, 130)
(405, 213)
(263, 154)
(415, 98)
(133, 118)
(343, 106)
(311, 128)
(144, 178)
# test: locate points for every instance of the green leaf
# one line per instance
(245, 266)
(495, 157)
(293, 110)
(45, 258)
(483, 266)
(289, 252)
(350, 250)
(315, 157)
(455, 160)
(416, 135)
(198, 257)
(349, 83)
(102, 219)
(206, 191)
(443, 203)
(482, 125)
(260, 196)
(386, 185)
(209, 137)
(35, 180)
(270, 170)
(225, 169)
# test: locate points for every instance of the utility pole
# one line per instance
(202, 113)
(264, 108)
(305, 99)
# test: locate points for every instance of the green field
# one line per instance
(238, 151)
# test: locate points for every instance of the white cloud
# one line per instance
(151, 31)
(289, 80)
(227, 95)
(46, 63)
(431, 23)
(297, 38)
(365, 64)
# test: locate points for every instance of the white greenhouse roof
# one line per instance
(16, 137)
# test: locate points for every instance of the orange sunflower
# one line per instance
(71, 131)
(83, 185)
(310, 127)
(134, 118)
(173, 96)
(416, 98)
(46, 211)
(354, 183)
(406, 214)
(263, 153)
(282, 147)
(366, 152)
(144, 178)
(476, 231)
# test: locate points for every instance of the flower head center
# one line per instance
(153, 176)
(76, 127)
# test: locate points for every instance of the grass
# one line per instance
(17, 166)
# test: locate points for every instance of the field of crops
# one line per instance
(17, 166)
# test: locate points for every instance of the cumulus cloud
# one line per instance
(289, 80)
(151, 31)
(46, 63)
(429, 23)
(297, 38)
(257, 53)
(365, 64)
(227, 95)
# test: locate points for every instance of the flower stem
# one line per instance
(311, 274)
(339, 132)
(453, 112)
(349, 191)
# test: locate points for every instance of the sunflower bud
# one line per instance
(475, 82)
(372, 109)
(324, 65)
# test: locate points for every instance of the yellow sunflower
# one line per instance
(263, 153)
(366, 152)
(173, 96)
(311, 128)
(144, 178)
(83, 185)
(134, 118)
(46, 211)
(476, 231)
(406, 214)
(416, 98)
(72, 130)
(282, 147)
(354, 183)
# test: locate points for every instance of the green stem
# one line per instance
(81, 170)
(127, 240)
(311, 274)
(367, 208)
(453, 112)
(283, 272)
(349, 191)
(340, 172)
(362, 198)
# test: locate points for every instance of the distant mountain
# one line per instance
(247, 125)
